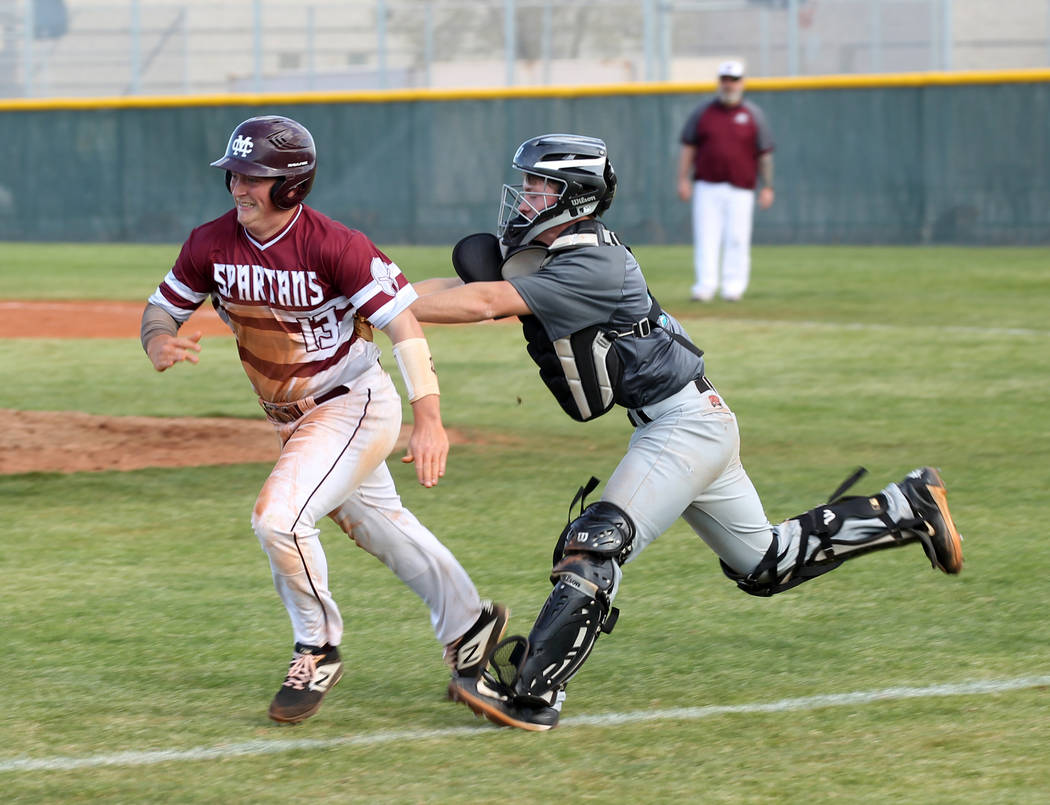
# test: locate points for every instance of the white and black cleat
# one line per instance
(312, 672)
(484, 696)
(468, 654)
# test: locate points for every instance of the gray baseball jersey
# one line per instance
(580, 286)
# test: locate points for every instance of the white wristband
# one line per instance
(417, 367)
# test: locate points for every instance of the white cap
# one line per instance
(731, 69)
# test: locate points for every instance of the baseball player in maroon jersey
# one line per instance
(301, 293)
(727, 147)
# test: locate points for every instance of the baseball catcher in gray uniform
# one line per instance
(600, 339)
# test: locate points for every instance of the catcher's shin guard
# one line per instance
(819, 540)
(586, 576)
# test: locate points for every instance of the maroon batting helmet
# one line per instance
(276, 147)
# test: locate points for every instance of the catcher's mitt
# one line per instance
(477, 258)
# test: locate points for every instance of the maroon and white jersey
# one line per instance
(290, 301)
(728, 141)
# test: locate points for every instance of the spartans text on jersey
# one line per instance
(280, 287)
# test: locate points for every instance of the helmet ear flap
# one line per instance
(279, 198)
(610, 189)
(288, 191)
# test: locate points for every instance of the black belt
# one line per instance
(637, 417)
(290, 412)
(339, 391)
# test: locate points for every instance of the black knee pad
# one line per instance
(602, 528)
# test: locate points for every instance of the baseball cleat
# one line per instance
(312, 672)
(483, 695)
(928, 498)
(468, 654)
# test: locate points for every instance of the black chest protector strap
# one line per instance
(655, 319)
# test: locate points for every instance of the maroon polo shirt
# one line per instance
(728, 141)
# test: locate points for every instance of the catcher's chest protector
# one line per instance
(581, 370)
(588, 371)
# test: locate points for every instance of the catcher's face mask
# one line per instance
(530, 198)
(526, 206)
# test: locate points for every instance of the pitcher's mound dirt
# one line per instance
(71, 441)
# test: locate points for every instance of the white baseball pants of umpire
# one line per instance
(332, 463)
(722, 221)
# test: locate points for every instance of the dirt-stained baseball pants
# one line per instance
(333, 463)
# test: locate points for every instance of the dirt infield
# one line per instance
(71, 441)
(90, 319)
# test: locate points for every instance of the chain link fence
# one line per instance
(86, 48)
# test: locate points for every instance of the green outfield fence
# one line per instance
(958, 158)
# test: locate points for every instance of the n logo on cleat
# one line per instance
(470, 651)
(829, 516)
(320, 682)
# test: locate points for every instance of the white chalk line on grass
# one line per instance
(267, 747)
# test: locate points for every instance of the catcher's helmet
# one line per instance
(583, 179)
(273, 146)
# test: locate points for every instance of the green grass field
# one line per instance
(144, 639)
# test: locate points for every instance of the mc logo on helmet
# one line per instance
(274, 147)
(242, 146)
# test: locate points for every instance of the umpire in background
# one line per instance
(727, 147)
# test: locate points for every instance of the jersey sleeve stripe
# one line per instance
(368, 292)
(182, 289)
(383, 315)
(176, 297)
(176, 307)
(373, 288)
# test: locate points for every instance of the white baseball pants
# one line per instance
(722, 222)
(686, 463)
(333, 463)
